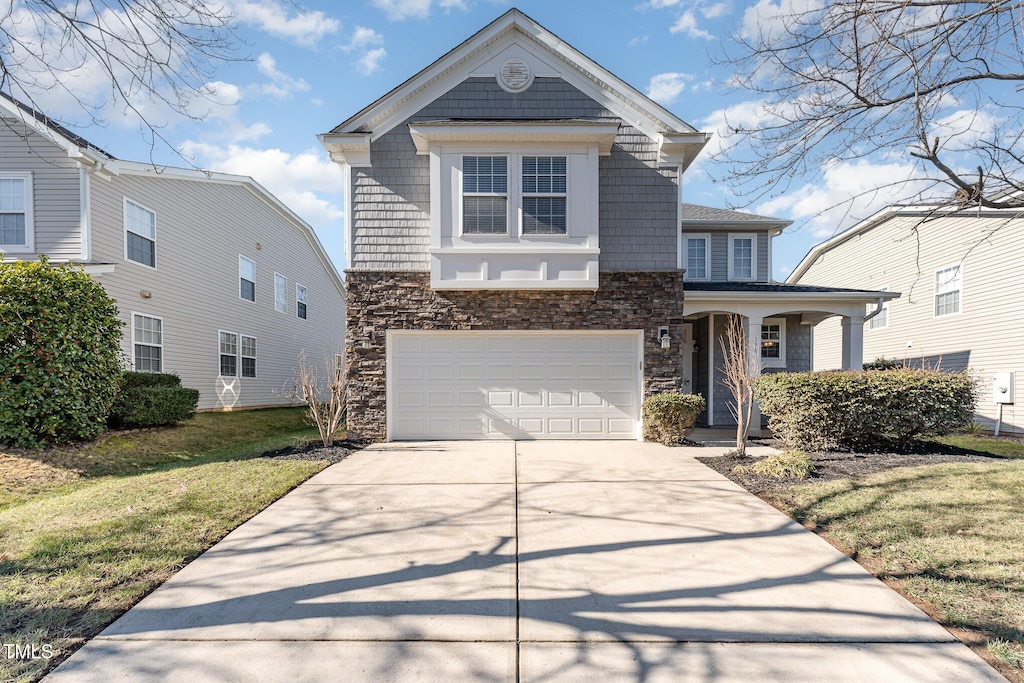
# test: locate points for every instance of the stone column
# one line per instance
(853, 342)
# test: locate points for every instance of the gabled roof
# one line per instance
(77, 147)
(695, 214)
(515, 28)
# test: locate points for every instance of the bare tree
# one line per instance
(930, 80)
(152, 58)
(742, 368)
(324, 396)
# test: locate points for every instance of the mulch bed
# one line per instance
(315, 451)
(828, 466)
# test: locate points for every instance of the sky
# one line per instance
(312, 65)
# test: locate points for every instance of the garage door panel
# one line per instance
(520, 386)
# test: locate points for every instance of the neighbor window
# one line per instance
(544, 194)
(147, 343)
(246, 278)
(248, 354)
(280, 293)
(773, 343)
(228, 354)
(698, 252)
(484, 195)
(139, 234)
(948, 287)
(300, 301)
(16, 212)
(880, 321)
(741, 257)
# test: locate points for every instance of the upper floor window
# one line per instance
(300, 301)
(246, 278)
(880, 321)
(544, 195)
(948, 287)
(741, 257)
(16, 228)
(484, 195)
(698, 257)
(280, 293)
(773, 342)
(539, 194)
(147, 343)
(139, 234)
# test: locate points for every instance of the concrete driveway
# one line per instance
(523, 561)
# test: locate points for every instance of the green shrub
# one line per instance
(852, 409)
(60, 354)
(669, 417)
(885, 364)
(152, 400)
(788, 464)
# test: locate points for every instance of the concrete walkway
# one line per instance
(528, 561)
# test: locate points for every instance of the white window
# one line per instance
(484, 195)
(139, 234)
(773, 342)
(698, 257)
(544, 195)
(248, 354)
(948, 288)
(742, 254)
(280, 293)
(539, 194)
(228, 354)
(300, 301)
(880, 321)
(246, 278)
(16, 225)
(147, 343)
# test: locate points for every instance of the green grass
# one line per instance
(86, 532)
(1004, 448)
(951, 535)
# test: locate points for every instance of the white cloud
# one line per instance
(639, 40)
(665, 88)
(965, 128)
(281, 84)
(370, 62)
(659, 4)
(363, 37)
(767, 17)
(687, 23)
(399, 10)
(719, 9)
(284, 20)
(368, 42)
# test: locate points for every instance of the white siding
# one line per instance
(903, 254)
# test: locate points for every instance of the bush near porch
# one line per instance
(850, 410)
(668, 417)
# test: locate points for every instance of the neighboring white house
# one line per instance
(215, 279)
(517, 251)
(960, 302)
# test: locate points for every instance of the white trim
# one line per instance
(242, 258)
(125, 231)
(706, 236)
(711, 370)
(284, 308)
(736, 237)
(84, 211)
(779, 362)
(28, 247)
(346, 195)
(428, 135)
(163, 359)
(220, 353)
(870, 324)
(935, 293)
(242, 356)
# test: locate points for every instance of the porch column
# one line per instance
(853, 342)
(754, 340)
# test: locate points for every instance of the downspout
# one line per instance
(878, 309)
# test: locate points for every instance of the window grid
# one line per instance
(13, 212)
(228, 354)
(948, 285)
(300, 302)
(485, 195)
(140, 234)
(248, 355)
(743, 257)
(696, 258)
(246, 278)
(771, 341)
(544, 195)
(280, 293)
(147, 343)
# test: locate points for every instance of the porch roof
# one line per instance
(780, 288)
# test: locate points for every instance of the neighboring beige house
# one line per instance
(216, 280)
(959, 305)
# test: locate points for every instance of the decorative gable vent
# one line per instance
(515, 76)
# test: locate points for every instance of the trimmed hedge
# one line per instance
(852, 409)
(149, 399)
(669, 417)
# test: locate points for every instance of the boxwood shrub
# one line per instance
(852, 409)
(668, 417)
(149, 399)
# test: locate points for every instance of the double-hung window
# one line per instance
(742, 253)
(139, 234)
(698, 257)
(280, 293)
(544, 195)
(147, 343)
(948, 287)
(773, 342)
(228, 354)
(246, 278)
(880, 321)
(248, 355)
(16, 230)
(300, 301)
(485, 195)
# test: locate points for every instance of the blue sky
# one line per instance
(315, 64)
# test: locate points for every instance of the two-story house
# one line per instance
(517, 253)
(215, 279)
(959, 308)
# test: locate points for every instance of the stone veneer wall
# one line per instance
(379, 301)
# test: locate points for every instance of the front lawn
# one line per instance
(86, 532)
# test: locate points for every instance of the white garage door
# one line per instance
(514, 385)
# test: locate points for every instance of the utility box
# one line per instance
(1002, 387)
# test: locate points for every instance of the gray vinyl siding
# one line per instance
(391, 199)
(201, 228)
(720, 252)
(903, 254)
(55, 188)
